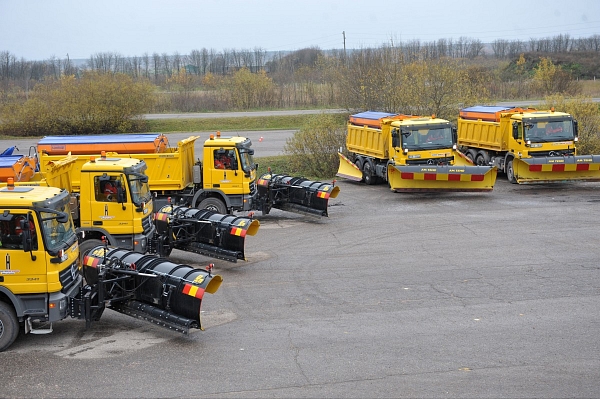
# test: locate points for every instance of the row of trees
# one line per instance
(159, 67)
(389, 78)
(371, 79)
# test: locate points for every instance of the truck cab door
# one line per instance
(226, 174)
(111, 209)
(21, 271)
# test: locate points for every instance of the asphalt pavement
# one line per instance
(456, 295)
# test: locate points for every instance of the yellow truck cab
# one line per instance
(229, 173)
(223, 181)
(529, 145)
(410, 153)
(115, 202)
(39, 269)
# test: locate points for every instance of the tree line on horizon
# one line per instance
(406, 77)
(159, 67)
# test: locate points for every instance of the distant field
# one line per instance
(230, 124)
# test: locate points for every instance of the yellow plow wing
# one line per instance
(441, 178)
(348, 169)
(557, 169)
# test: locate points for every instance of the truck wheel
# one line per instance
(482, 158)
(472, 154)
(213, 204)
(510, 172)
(9, 326)
(368, 176)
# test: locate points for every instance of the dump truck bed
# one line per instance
(171, 169)
(94, 144)
(369, 118)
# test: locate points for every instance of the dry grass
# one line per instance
(591, 88)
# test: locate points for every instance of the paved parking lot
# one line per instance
(394, 295)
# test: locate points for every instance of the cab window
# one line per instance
(106, 188)
(11, 231)
(224, 159)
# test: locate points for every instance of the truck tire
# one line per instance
(510, 172)
(368, 172)
(359, 164)
(483, 158)
(213, 204)
(9, 326)
(472, 154)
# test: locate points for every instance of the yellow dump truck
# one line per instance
(529, 145)
(41, 278)
(410, 153)
(110, 199)
(224, 181)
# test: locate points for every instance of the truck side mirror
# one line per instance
(575, 129)
(395, 138)
(515, 130)
(454, 135)
(120, 193)
(26, 237)
(62, 217)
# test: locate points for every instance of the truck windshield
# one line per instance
(553, 130)
(246, 159)
(57, 235)
(427, 138)
(140, 191)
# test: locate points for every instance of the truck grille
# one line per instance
(147, 225)
(430, 161)
(552, 153)
(68, 276)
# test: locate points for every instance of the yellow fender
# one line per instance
(348, 169)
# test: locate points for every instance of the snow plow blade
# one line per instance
(557, 169)
(297, 195)
(145, 286)
(348, 169)
(203, 232)
(441, 178)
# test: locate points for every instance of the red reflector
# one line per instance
(454, 177)
(407, 175)
(558, 167)
(583, 167)
(535, 168)
(429, 177)
(476, 178)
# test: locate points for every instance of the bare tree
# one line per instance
(167, 64)
(196, 60)
(157, 66)
(177, 62)
(500, 48)
(146, 65)
(260, 55)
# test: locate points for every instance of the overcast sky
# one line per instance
(41, 29)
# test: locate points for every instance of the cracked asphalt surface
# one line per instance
(457, 295)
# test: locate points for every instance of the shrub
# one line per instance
(313, 149)
(93, 104)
